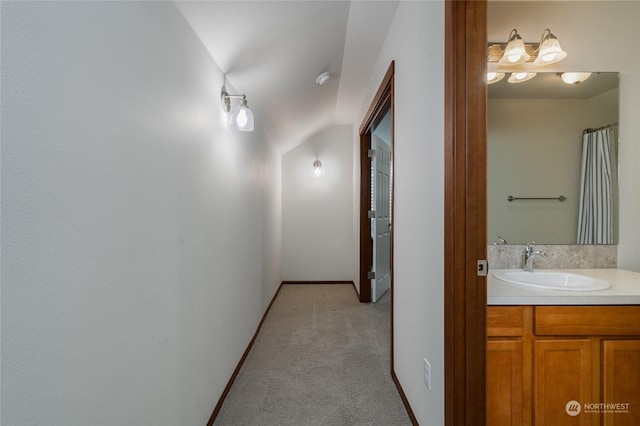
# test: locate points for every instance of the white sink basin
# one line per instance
(552, 280)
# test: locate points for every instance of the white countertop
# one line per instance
(625, 290)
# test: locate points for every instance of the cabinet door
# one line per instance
(563, 382)
(504, 383)
(621, 382)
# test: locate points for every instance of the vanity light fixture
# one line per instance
(549, 50)
(241, 117)
(574, 77)
(494, 77)
(519, 77)
(516, 52)
(317, 168)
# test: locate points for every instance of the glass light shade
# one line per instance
(519, 77)
(317, 168)
(575, 77)
(494, 77)
(550, 52)
(241, 118)
(514, 53)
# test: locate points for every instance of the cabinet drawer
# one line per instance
(587, 320)
(505, 321)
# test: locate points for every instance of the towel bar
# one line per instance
(561, 198)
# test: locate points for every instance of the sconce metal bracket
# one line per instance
(225, 98)
(226, 101)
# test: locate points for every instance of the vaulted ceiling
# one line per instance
(273, 51)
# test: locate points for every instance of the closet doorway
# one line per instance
(376, 195)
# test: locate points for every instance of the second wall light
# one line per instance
(317, 168)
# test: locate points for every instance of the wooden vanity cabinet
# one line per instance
(539, 358)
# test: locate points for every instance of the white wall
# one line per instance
(272, 223)
(317, 227)
(416, 43)
(132, 221)
(606, 49)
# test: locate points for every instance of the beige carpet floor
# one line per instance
(321, 358)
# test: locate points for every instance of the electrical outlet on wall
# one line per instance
(427, 373)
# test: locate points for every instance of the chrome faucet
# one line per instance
(529, 255)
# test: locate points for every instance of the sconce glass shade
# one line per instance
(550, 52)
(514, 53)
(575, 77)
(241, 118)
(494, 77)
(519, 77)
(317, 168)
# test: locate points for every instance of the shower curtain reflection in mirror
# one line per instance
(595, 217)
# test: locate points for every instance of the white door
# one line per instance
(381, 224)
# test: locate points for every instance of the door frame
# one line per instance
(465, 239)
(382, 101)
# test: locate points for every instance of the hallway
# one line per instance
(143, 239)
(321, 358)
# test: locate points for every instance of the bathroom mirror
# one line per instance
(535, 144)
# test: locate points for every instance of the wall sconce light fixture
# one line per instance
(241, 118)
(516, 52)
(317, 168)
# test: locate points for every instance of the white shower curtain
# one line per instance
(595, 216)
